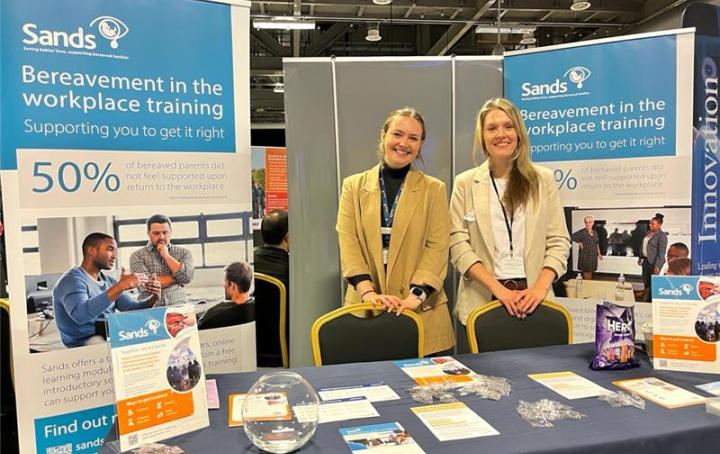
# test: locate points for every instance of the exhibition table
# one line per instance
(605, 429)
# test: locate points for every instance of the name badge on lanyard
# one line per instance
(512, 264)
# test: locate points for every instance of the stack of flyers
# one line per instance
(433, 371)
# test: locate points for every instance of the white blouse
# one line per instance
(502, 241)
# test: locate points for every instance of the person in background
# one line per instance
(589, 244)
(239, 307)
(258, 199)
(172, 264)
(677, 250)
(602, 233)
(273, 257)
(681, 266)
(653, 251)
(86, 293)
(508, 237)
(616, 242)
(393, 232)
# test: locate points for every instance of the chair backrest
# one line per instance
(271, 321)
(361, 333)
(6, 368)
(490, 328)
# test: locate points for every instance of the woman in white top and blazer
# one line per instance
(508, 245)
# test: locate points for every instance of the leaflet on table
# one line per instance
(686, 323)
(235, 404)
(338, 410)
(374, 392)
(453, 421)
(443, 369)
(387, 437)
(213, 399)
(158, 375)
(710, 388)
(569, 385)
(260, 407)
(660, 392)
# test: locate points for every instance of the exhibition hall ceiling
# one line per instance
(423, 28)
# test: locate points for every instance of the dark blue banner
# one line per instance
(705, 250)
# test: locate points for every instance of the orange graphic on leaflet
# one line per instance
(149, 410)
(683, 348)
(441, 380)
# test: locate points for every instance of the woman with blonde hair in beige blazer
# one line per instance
(508, 238)
(392, 233)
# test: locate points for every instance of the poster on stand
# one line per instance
(619, 144)
(269, 182)
(158, 374)
(686, 323)
(611, 141)
(108, 118)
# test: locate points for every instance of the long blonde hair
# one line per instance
(410, 112)
(524, 181)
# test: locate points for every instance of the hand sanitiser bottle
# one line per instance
(620, 288)
(578, 285)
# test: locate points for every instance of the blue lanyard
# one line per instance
(388, 212)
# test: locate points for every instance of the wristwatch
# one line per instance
(419, 293)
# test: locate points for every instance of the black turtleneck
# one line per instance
(393, 179)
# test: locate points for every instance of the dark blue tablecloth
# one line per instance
(606, 430)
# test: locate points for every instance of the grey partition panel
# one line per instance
(312, 191)
(368, 89)
(476, 81)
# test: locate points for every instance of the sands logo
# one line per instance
(130, 335)
(558, 88)
(683, 290)
(577, 75)
(153, 325)
(110, 28)
(77, 39)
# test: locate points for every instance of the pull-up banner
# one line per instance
(106, 76)
(612, 118)
(706, 247)
(111, 112)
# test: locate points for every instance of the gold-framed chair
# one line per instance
(366, 332)
(6, 329)
(271, 321)
(490, 328)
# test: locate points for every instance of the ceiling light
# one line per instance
(283, 23)
(528, 38)
(279, 88)
(373, 33)
(382, 2)
(580, 5)
(506, 30)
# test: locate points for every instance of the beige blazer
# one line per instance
(547, 243)
(418, 251)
